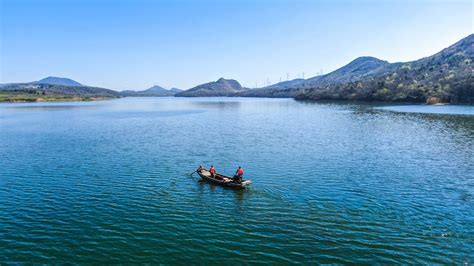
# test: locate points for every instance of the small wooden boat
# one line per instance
(222, 180)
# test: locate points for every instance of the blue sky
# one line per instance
(125, 44)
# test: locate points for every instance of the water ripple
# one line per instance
(108, 183)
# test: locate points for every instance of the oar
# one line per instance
(192, 173)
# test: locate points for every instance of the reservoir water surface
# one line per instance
(107, 182)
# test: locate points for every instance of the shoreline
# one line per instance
(52, 100)
(59, 98)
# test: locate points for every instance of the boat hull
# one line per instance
(222, 180)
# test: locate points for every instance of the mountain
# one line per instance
(285, 84)
(156, 88)
(277, 90)
(274, 92)
(52, 89)
(221, 87)
(444, 77)
(155, 91)
(58, 81)
(447, 76)
(33, 92)
(176, 90)
(356, 70)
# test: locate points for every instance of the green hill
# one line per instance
(32, 92)
(447, 76)
(221, 87)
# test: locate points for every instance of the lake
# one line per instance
(107, 182)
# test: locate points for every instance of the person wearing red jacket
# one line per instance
(239, 174)
(212, 170)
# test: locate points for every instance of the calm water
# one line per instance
(107, 182)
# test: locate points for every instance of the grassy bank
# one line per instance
(15, 96)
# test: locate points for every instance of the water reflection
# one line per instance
(432, 109)
(225, 105)
(55, 107)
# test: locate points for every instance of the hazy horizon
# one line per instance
(137, 44)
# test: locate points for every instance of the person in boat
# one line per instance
(214, 174)
(238, 175)
(212, 170)
(199, 169)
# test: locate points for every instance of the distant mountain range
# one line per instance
(447, 76)
(358, 69)
(49, 81)
(53, 88)
(155, 91)
(49, 91)
(221, 87)
(65, 88)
